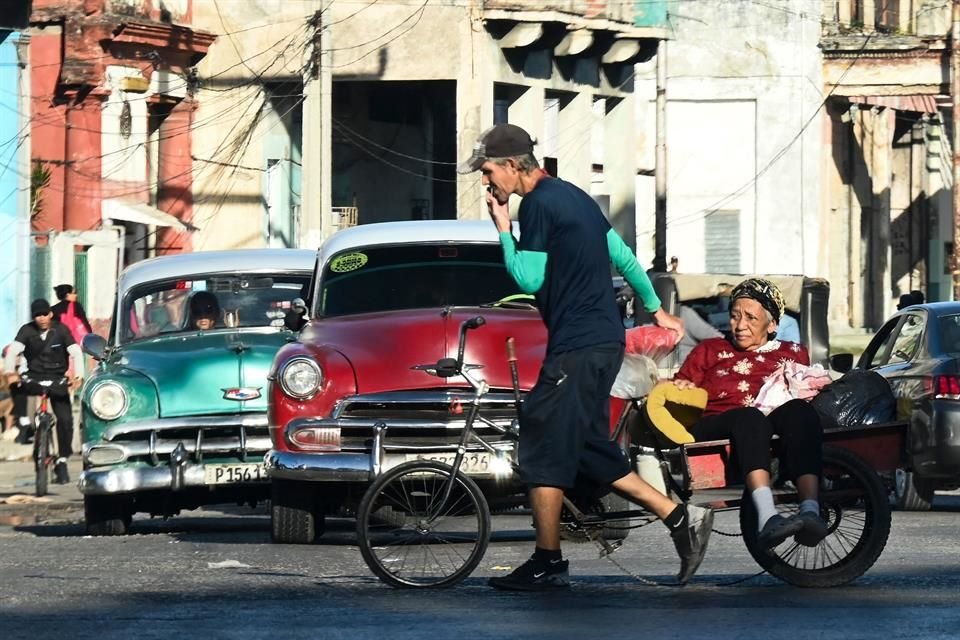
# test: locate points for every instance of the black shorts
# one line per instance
(565, 420)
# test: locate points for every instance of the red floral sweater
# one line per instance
(732, 377)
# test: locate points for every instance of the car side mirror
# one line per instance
(296, 318)
(95, 346)
(841, 362)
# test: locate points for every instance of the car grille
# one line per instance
(245, 437)
(420, 420)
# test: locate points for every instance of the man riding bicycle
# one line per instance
(50, 351)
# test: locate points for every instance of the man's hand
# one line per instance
(76, 382)
(13, 378)
(499, 212)
(667, 321)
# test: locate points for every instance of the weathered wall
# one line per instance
(264, 41)
(762, 161)
(11, 307)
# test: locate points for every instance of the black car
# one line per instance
(917, 351)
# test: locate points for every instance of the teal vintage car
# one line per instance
(175, 414)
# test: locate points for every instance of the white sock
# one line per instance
(24, 421)
(763, 501)
(810, 505)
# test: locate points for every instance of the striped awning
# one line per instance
(920, 103)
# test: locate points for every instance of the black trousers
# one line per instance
(59, 395)
(565, 421)
(749, 431)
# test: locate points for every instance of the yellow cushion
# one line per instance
(671, 410)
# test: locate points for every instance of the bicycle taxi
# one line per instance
(427, 524)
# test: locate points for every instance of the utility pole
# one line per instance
(315, 201)
(955, 100)
(660, 163)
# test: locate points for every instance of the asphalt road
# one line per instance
(215, 575)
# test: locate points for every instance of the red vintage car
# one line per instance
(345, 403)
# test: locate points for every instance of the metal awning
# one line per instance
(113, 209)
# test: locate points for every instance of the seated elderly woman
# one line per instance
(732, 372)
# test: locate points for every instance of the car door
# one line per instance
(900, 358)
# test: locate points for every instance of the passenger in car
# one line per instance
(204, 310)
(732, 372)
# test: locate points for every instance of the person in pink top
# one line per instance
(732, 372)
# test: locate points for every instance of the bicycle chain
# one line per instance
(594, 537)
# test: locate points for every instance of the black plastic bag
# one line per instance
(859, 397)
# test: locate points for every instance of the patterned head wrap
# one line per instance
(764, 292)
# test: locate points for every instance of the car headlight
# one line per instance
(108, 401)
(301, 378)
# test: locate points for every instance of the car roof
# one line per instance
(232, 261)
(410, 232)
(937, 308)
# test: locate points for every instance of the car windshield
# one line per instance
(209, 302)
(413, 277)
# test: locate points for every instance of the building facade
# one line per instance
(359, 113)
(111, 117)
(743, 93)
(14, 171)
(888, 165)
(811, 137)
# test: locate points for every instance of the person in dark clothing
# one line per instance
(49, 351)
(907, 299)
(68, 305)
(563, 257)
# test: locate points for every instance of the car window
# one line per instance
(412, 277)
(950, 334)
(256, 300)
(907, 340)
(878, 350)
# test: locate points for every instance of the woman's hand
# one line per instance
(680, 383)
(667, 321)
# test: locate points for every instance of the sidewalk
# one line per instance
(17, 482)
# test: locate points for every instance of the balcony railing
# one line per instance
(343, 217)
(895, 17)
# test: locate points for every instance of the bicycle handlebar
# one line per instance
(473, 323)
(448, 367)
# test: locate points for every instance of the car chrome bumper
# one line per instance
(109, 481)
(324, 467)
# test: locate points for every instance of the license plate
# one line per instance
(234, 473)
(473, 463)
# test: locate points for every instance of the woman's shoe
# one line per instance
(777, 529)
(814, 529)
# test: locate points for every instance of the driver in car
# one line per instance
(204, 310)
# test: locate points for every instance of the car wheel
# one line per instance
(911, 492)
(296, 517)
(106, 515)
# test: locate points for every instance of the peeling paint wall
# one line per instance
(743, 82)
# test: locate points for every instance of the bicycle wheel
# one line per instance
(41, 455)
(427, 541)
(853, 503)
